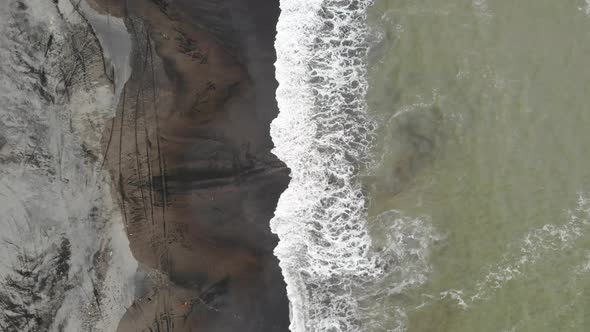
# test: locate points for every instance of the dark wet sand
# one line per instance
(189, 153)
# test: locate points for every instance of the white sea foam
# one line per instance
(402, 247)
(323, 134)
(482, 8)
(332, 268)
(536, 244)
(584, 267)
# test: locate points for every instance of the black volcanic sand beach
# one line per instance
(189, 153)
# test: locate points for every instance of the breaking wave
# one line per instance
(324, 135)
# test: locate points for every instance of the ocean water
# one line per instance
(440, 174)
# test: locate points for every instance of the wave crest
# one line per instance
(324, 135)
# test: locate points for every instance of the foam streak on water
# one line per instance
(536, 245)
(323, 134)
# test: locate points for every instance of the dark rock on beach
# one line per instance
(189, 154)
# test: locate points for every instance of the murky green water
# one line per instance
(484, 115)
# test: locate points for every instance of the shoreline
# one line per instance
(323, 133)
(189, 155)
